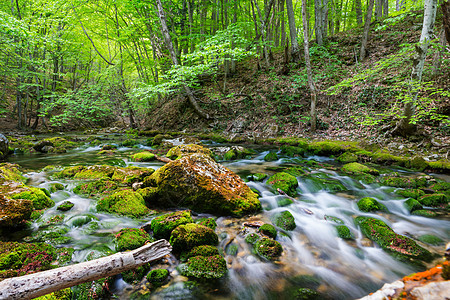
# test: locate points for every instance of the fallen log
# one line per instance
(41, 283)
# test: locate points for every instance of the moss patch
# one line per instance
(411, 193)
(208, 222)
(433, 200)
(202, 250)
(187, 236)
(143, 156)
(268, 230)
(65, 206)
(284, 220)
(344, 232)
(252, 238)
(37, 196)
(125, 202)
(131, 238)
(368, 204)
(201, 267)
(285, 182)
(357, 168)
(268, 249)
(412, 205)
(162, 226)
(157, 277)
(182, 150)
(271, 156)
(96, 188)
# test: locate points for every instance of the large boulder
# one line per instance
(198, 182)
(4, 146)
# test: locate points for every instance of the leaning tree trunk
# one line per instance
(365, 37)
(295, 49)
(311, 84)
(404, 126)
(173, 55)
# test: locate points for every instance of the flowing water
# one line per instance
(313, 255)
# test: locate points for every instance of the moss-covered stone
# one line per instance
(383, 235)
(368, 204)
(332, 147)
(317, 184)
(54, 145)
(347, 157)
(14, 212)
(134, 276)
(268, 249)
(404, 182)
(417, 163)
(285, 182)
(130, 175)
(271, 156)
(65, 206)
(10, 172)
(56, 187)
(424, 213)
(433, 200)
(65, 294)
(357, 168)
(333, 219)
(187, 236)
(292, 151)
(54, 235)
(431, 239)
(131, 238)
(268, 230)
(306, 294)
(143, 156)
(37, 196)
(412, 205)
(93, 290)
(87, 172)
(182, 150)
(198, 182)
(157, 277)
(237, 152)
(411, 193)
(258, 177)
(205, 267)
(344, 232)
(124, 202)
(284, 220)
(130, 143)
(208, 222)
(252, 238)
(81, 220)
(202, 250)
(162, 226)
(295, 171)
(98, 188)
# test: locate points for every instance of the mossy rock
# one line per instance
(130, 143)
(202, 250)
(316, 184)
(285, 182)
(440, 165)
(431, 240)
(205, 267)
(14, 212)
(412, 205)
(187, 236)
(81, 220)
(292, 151)
(109, 147)
(284, 220)
(268, 249)
(333, 219)
(368, 204)
(96, 188)
(196, 181)
(284, 201)
(417, 163)
(433, 200)
(143, 156)
(106, 152)
(125, 202)
(130, 175)
(163, 225)
(404, 182)
(134, 276)
(347, 157)
(268, 230)
(65, 294)
(54, 145)
(54, 235)
(89, 172)
(383, 157)
(252, 238)
(271, 156)
(333, 147)
(237, 152)
(424, 213)
(401, 246)
(232, 249)
(10, 172)
(344, 232)
(182, 150)
(441, 186)
(208, 222)
(93, 290)
(54, 187)
(158, 139)
(158, 277)
(38, 197)
(411, 193)
(357, 168)
(17, 259)
(258, 177)
(295, 171)
(131, 238)
(306, 294)
(65, 206)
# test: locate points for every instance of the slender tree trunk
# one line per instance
(318, 12)
(437, 58)
(378, 9)
(311, 84)
(283, 28)
(385, 8)
(173, 56)
(358, 10)
(445, 6)
(365, 37)
(295, 49)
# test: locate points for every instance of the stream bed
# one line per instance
(313, 254)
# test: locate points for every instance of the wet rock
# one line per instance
(39, 197)
(183, 150)
(432, 291)
(131, 238)
(285, 182)
(433, 200)
(14, 212)
(187, 236)
(124, 202)
(431, 239)
(271, 156)
(284, 220)
(202, 250)
(130, 175)
(256, 224)
(208, 222)
(198, 182)
(386, 291)
(357, 168)
(411, 193)
(54, 145)
(252, 238)
(4, 146)
(347, 157)
(268, 230)
(257, 177)
(65, 206)
(424, 213)
(158, 277)
(162, 226)
(205, 267)
(404, 182)
(344, 232)
(368, 204)
(143, 156)
(268, 249)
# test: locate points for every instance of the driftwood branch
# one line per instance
(41, 283)
(163, 159)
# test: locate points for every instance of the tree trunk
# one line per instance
(295, 49)
(318, 12)
(173, 56)
(404, 126)
(283, 29)
(445, 6)
(437, 58)
(41, 283)
(358, 10)
(365, 37)
(311, 84)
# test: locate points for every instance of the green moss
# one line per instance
(317, 184)
(404, 182)
(431, 239)
(383, 157)
(208, 222)
(201, 267)
(252, 238)
(89, 172)
(202, 250)
(129, 142)
(56, 187)
(187, 236)
(271, 156)
(258, 177)
(268, 249)
(284, 220)
(131, 238)
(368, 204)
(357, 168)
(292, 151)
(125, 202)
(93, 290)
(383, 235)
(37, 196)
(157, 277)
(424, 213)
(412, 205)
(134, 276)
(433, 200)
(96, 188)
(295, 171)
(417, 163)
(284, 201)
(130, 175)
(159, 138)
(306, 294)
(333, 147)
(347, 157)
(65, 294)
(441, 186)
(285, 182)
(14, 213)
(268, 230)
(162, 226)
(65, 206)
(54, 235)
(232, 249)
(333, 219)
(143, 156)
(440, 165)
(344, 233)
(411, 193)
(237, 152)
(179, 151)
